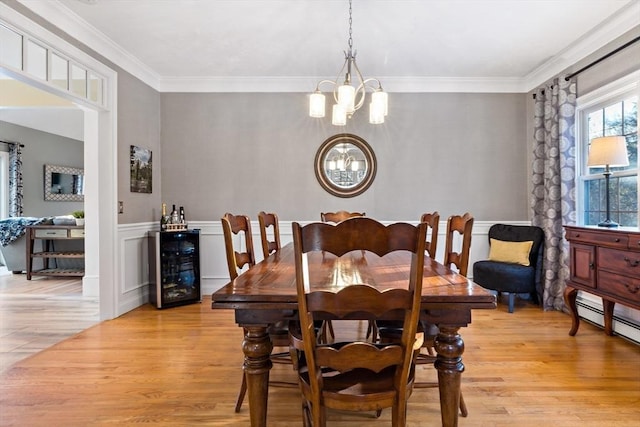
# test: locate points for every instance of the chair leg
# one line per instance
(512, 299)
(463, 406)
(241, 393)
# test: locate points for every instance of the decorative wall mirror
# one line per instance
(63, 183)
(345, 165)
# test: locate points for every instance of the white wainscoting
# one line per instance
(134, 276)
(133, 250)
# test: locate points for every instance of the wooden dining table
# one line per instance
(266, 293)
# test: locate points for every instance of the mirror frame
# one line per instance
(48, 195)
(321, 159)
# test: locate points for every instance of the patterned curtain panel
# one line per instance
(553, 200)
(15, 180)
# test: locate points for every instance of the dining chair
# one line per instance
(389, 331)
(432, 219)
(336, 217)
(234, 225)
(461, 226)
(356, 375)
(266, 220)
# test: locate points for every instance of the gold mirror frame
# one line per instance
(345, 165)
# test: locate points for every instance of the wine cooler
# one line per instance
(174, 268)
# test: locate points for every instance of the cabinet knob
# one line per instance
(630, 263)
(592, 265)
(616, 240)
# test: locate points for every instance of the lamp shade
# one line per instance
(608, 151)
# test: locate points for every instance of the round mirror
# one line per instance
(345, 165)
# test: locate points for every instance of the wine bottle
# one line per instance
(183, 220)
(164, 220)
(174, 215)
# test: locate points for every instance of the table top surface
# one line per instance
(272, 281)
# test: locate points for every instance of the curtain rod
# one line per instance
(597, 61)
(7, 142)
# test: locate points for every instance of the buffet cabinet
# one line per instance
(174, 268)
(604, 262)
(57, 252)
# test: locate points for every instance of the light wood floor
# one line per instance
(35, 314)
(181, 367)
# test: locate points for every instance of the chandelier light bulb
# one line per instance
(317, 104)
(381, 97)
(347, 97)
(339, 117)
(376, 113)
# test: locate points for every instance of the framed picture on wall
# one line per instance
(141, 170)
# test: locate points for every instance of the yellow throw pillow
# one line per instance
(513, 252)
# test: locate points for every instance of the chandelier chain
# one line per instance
(350, 30)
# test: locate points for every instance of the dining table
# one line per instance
(266, 293)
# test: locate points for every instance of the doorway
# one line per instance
(100, 151)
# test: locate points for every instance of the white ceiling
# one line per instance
(411, 45)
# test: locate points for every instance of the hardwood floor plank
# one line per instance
(181, 367)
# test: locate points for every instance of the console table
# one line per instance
(50, 234)
(603, 262)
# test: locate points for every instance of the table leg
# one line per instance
(450, 347)
(570, 295)
(257, 348)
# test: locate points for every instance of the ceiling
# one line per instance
(280, 45)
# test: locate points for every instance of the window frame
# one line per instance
(617, 91)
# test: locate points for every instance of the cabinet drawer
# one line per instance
(627, 288)
(623, 262)
(76, 233)
(51, 234)
(617, 240)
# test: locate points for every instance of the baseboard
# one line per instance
(594, 313)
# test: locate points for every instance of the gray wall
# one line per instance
(42, 148)
(138, 124)
(248, 152)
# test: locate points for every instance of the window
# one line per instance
(610, 111)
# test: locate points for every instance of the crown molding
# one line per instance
(622, 21)
(306, 84)
(57, 14)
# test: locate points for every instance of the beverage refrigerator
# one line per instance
(174, 268)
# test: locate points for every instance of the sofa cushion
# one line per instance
(512, 252)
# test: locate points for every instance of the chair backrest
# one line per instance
(463, 226)
(339, 216)
(521, 233)
(432, 220)
(233, 225)
(267, 220)
(359, 301)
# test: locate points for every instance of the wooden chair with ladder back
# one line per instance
(233, 225)
(356, 375)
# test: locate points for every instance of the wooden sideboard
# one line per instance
(604, 262)
(50, 234)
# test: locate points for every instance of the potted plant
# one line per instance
(79, 216)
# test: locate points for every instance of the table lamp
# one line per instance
(604, 152)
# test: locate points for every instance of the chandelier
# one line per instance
(349, 98)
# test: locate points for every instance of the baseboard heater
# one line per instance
(622, 326)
